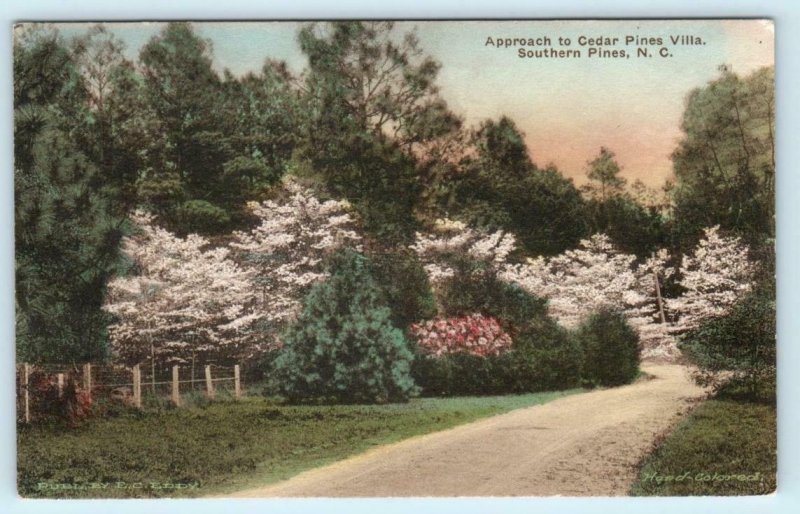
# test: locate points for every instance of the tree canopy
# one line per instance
(218, 160)
(725, 162)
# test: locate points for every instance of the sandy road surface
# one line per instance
(586, 444)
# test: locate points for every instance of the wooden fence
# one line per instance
(117, 384)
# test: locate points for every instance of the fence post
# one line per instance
(26, 373)
(60, 385)
(137, 387)
(87, 378)
(209, 383)
(237, 388)
(176, 393)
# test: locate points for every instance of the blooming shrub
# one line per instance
(474, 334)
(453, 238)
(597, 276)
(74, 404)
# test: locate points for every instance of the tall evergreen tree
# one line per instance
(725, 162)
(373, 106)
(183, 90)
(501, 188)
(603, 174)
(67, 236)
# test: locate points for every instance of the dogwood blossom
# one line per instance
(580, 281)
(452, 238)
(715, 276)
(595, 276)
(285, 252)
(187, 300)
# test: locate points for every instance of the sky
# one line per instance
(567, 107)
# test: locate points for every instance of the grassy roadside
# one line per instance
(228, 446)
(726, 446)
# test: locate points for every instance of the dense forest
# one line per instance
(141, 169)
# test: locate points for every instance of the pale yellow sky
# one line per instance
(567, 108)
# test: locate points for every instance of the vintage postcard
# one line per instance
(395, 258)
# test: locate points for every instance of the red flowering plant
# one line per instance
(474, 334)
(73, 403)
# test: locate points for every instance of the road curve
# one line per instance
(581, 445)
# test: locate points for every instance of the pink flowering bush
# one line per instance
(474, 334)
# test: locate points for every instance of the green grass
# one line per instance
(225, 446)
(725, 447)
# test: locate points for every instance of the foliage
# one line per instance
(116, 132)
(180, 85)
(603, 174)
(458, 374)
(549, 362)
(373, 107)
(263, 124)
(285, 251)
(343, 347)
(204, 163)
(610, 349)
(551, 358)
(97, 136)
(471, 272)
(725, 162)
(634, 228)
(466, 267)
(499, 187)
(229, 446)
(473, 334)
(72, 404)
(597, 276)
(542, 356)
(405, 285)
(741, 344)
(200, 216)
(452, 244)
(66, 229)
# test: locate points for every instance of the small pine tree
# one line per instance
(343, 347)
(610, 349)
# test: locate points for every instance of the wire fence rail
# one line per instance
(41, 386)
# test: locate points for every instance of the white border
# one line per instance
(787, 23)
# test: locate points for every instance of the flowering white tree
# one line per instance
(716, 275)
(580, 281)
(451, 238)
(286, 250)
(594, 276)
(187, 301)
(649, 318)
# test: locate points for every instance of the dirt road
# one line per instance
(580, 445)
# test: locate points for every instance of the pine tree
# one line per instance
(343, 348)
(66, 230)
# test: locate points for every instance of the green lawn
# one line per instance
(226, 446)
(725, 447)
